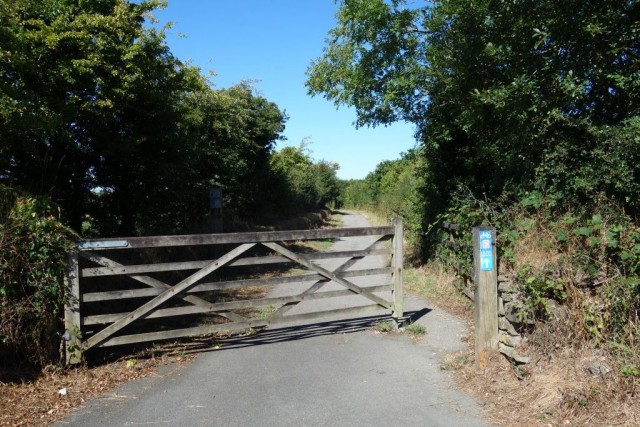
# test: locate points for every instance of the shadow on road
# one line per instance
(298, 332)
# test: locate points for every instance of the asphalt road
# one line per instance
(336, 373)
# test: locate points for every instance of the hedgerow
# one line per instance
(34, 244)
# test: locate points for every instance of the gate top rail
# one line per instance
(214, 239)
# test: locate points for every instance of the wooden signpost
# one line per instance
(486, 292)
(215, 219)
(215, 209)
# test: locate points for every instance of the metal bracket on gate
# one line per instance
(89, 246)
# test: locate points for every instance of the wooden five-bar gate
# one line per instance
(93, 259)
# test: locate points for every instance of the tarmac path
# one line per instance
(335, 373)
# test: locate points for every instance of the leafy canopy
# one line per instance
(504, 94)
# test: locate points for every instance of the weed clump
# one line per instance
(384, 326)
(415, 329)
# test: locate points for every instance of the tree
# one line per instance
(304, 182)
(97, 114)
(504, 95)
(87, 100)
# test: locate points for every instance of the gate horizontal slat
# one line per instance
(196, 265)
(238, 326)
(218, 239)
(232, 284)
(232, 305)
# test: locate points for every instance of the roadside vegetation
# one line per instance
(527, 116)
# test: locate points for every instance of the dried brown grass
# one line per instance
(434, 282)
(536, 249)
(39, 403)
(373, 218)
(555, 390)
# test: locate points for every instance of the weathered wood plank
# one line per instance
(486, 299)
(247, 283)
(398, 268)
(231, 284)
(328, 274)
(231, 305)
(72, 318)
(155, 283)
(165, 296)
(237, 326)
(236, 238)
(123, 294)
(196, 265)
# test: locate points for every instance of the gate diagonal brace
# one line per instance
(172, 292)
(328, 274)
(320, 283)
(155, 283)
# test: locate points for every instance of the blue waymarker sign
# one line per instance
(486, 251)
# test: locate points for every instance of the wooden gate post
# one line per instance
(397, 269)
(486, 293)
(72, 318)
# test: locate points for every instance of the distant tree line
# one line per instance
(393, 187)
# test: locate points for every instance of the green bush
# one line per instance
(302, 182)
(33, 249)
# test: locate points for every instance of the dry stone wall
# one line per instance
(511, 318)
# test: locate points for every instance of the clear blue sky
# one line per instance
(274, 41)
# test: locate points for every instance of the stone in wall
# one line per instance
(509, 306)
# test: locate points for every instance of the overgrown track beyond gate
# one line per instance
(101, 305)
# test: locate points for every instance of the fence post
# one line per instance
(485, 264)
(397, 269)
(72, 318)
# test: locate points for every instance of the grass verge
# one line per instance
(435, 283)
(374, 219)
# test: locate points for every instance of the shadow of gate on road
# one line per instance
(300, 332)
